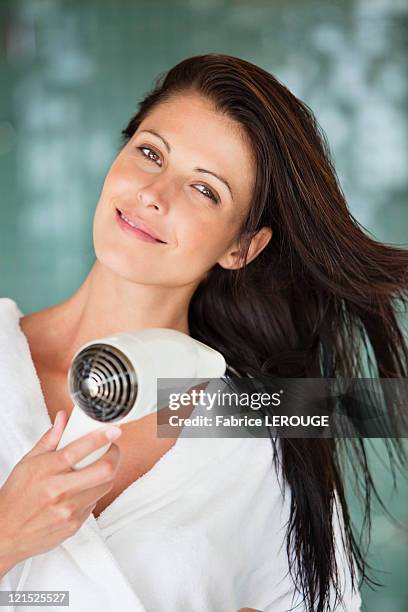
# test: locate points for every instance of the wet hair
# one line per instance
(318, 299)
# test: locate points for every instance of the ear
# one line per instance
(231, 259)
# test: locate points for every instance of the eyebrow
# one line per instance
(166, 144)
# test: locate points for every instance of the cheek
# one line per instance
(123, 180)
(100, 229)
(202, 241)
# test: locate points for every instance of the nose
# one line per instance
(155, 195)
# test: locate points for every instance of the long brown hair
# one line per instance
(320, 291)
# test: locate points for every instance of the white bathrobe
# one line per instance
(202, 531)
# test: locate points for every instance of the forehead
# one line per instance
(199, 135)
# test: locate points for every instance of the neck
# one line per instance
(107, 304)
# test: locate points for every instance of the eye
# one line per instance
(151, 155)
(207, 193)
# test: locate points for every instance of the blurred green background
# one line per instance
(71, 75)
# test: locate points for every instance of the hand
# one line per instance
(44, 501)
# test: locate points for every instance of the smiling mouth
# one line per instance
(136, 228)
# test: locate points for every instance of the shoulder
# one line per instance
(41, 332)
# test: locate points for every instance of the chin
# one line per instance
(134, 270)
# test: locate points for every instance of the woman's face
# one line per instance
(186, 176)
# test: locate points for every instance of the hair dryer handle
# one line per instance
(80, 424)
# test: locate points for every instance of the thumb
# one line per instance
(50, 439)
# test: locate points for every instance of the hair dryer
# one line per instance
(113, 380)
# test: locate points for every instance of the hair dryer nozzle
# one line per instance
(103, 382)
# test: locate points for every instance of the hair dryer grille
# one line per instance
(103, 382)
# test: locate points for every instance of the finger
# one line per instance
(101, 471)
(75, 451)
(85, 514)
(90, 496)
(49, 440)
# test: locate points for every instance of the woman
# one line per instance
(245, 242)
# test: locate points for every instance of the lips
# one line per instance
(140, 226)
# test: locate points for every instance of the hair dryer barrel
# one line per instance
(171, 354)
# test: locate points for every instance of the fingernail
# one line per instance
(113, 432)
